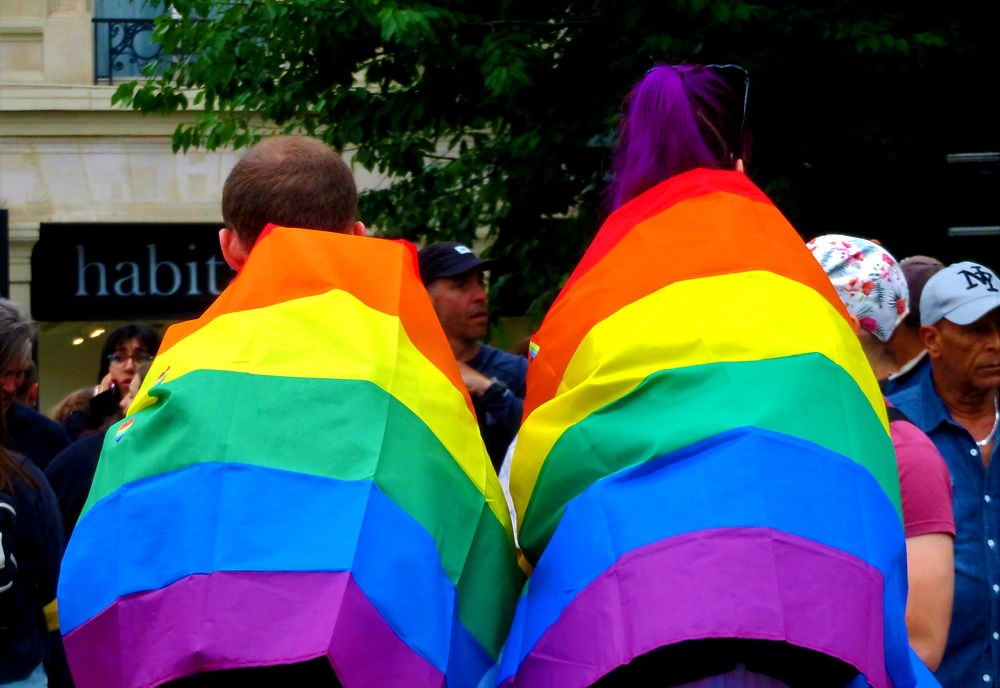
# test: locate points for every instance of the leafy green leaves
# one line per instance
(496, 117)
(406, 25)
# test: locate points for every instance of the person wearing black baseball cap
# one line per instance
(453, 275)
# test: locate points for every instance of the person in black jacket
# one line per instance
(32, 546)
(453, 275)
(25, 430)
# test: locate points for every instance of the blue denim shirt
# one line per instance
(499, 409)
(972, 655)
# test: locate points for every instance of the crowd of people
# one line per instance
(930, 334)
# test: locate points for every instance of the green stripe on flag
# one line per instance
(343, 429)
(674, 408)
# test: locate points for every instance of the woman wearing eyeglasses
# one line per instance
(704, 481)
(124, 351)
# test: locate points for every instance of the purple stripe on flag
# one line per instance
(779, 587)
(230, 620)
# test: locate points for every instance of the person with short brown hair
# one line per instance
(312, 306)
(291, 181)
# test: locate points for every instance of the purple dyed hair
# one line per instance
(677, 118)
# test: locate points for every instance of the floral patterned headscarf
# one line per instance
(868, 280)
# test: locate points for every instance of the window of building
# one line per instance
(123, 43)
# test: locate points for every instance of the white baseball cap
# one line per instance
(962, 293)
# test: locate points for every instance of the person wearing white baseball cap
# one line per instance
(955, 401)
(961, 293)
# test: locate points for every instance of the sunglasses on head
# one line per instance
(745, 76)
(732, 74)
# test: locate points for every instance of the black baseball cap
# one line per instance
(448, 259)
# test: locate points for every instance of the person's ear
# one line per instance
(358, 229)
(233, 249)
(931, 337)
(855, 323)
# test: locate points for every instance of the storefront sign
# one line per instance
(125, 271)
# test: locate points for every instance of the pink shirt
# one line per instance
(924, 483)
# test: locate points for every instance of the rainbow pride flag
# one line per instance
(302, 476)
(704, 453)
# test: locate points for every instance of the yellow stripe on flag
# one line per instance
(355, 343)
(745, 316)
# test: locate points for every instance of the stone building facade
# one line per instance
(75, 168)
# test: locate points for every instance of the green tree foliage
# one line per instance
(500, 114)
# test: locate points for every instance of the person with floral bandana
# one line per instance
(873, 288)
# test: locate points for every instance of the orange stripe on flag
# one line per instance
(299, 263)
(711, 234)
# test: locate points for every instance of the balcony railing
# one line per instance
(122, 47)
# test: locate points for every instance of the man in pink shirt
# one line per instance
(874, 290)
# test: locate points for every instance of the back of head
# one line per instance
(291, 181)
(918, 269)
(867, 279)
(77, 400)
(677, 118)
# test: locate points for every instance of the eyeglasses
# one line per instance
(136, 358)
(746, 90)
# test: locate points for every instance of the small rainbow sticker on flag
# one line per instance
(162, 377)
(123, 428)
(532, 350)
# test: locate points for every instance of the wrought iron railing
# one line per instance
(122, 47)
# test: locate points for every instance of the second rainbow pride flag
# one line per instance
(704, 453)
